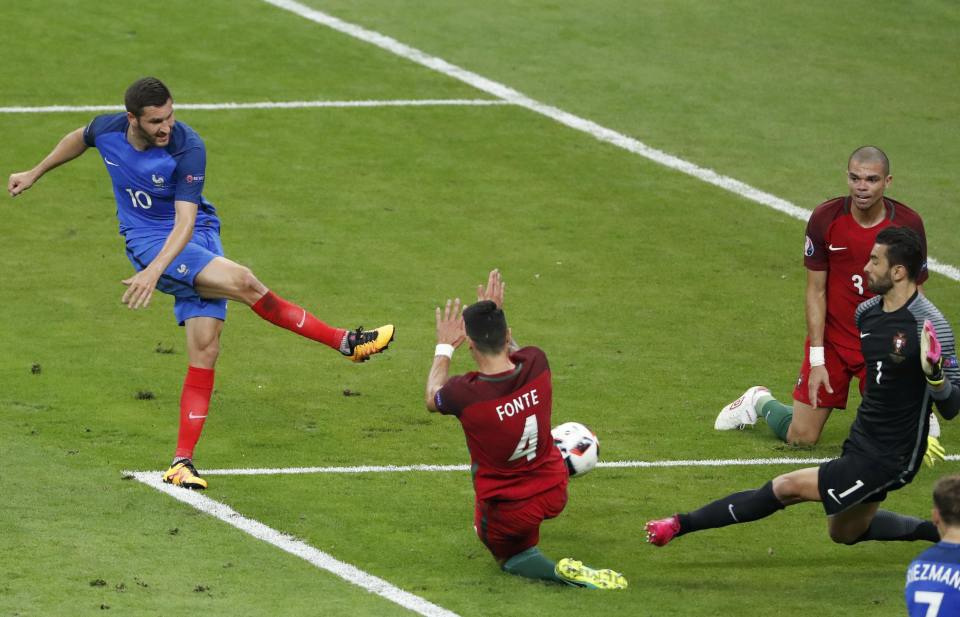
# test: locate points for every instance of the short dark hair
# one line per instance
(903, 249)
(946, 498)
(146, 92)
(486, 326)
(870, 154)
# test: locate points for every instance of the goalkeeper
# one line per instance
(911, 367)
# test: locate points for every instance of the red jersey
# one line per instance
(506, 420)
(837, 244)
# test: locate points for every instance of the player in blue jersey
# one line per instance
(158, 169)
(933, 578)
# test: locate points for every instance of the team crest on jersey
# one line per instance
(950, 362)
(899, 344)
(158, 180)
(808, 247)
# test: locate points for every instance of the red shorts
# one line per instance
(511, 527)
(842, 366)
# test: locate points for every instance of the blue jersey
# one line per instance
(147, 183)
(933, 582)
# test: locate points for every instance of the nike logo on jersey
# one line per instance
(193, 417)
(302, 319)
(109, 162)
(864, 334)
(830, 492)
(836, 248)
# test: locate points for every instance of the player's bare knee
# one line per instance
(248, 285)
(802, 436)
(844, 536)
(204, 353)
(786, 489)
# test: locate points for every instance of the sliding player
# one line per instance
(519, 476)
(911, 365)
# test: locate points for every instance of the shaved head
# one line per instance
(870, 154)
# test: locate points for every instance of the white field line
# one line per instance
(301, 549)
(575, 122)
(276, 471)
(264, 105)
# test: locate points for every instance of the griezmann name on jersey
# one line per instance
(147, 183)
(933, 582)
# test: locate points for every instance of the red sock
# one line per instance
(194, 403)
(297, 319)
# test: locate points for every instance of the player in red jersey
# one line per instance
(840, 234)
(519, 476)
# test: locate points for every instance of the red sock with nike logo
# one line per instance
(297, 319)
(194, 403)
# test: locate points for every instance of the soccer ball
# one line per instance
(578, 445)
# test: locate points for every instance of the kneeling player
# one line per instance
(518, 474)
(907, 372)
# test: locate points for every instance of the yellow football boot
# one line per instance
(575, 573)
(184, 474)
(365, 344)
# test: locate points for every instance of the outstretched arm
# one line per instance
(450, 335)
(69, 148)
(943, 381)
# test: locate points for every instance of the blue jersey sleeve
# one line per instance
(190, 174)
(106, 123)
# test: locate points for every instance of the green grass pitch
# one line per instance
(657, 298)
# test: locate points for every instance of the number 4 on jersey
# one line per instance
(528, 441)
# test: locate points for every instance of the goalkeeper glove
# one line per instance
(930, 358)
(935, 451)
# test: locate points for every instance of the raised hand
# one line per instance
(930, 353)
(450, 328)
(494, 289)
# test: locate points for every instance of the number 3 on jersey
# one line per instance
(858, 283)
(528, 440)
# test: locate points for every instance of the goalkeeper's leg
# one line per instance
(867, 522)
(743, 507)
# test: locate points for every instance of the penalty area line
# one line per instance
(265, 105)
(301, 549)
(360, 469)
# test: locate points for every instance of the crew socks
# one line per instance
(531, 563)
(889, 526)
(194, 403)
(740, 507)
(777, 415)
(297, 319)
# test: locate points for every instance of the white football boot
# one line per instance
(741, 412)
